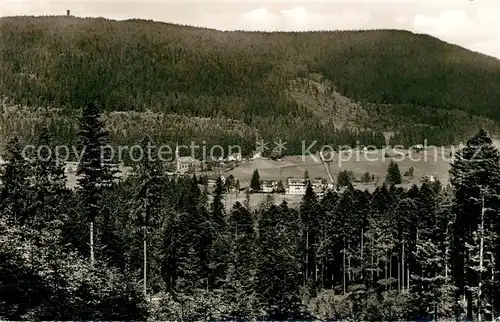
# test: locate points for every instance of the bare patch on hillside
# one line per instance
(319, 96)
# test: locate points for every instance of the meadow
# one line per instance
(433, 161)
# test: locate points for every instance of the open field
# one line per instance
(435, 161)
(432, 161)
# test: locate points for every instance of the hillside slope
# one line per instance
(253, 77)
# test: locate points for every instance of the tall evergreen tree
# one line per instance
(309, 214)
(15, 176)
(430, 284)
(277, 264)
(255, 181)
(95, 171)
(217, 206)
(187, 239)
(148, 197)
(49, 183)
(393, 174)
(220, 243)
(241, 259)
(475, 175)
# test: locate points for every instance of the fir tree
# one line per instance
(475, 175)
(148, 197)
(344, 178)
(229, 183)
(219, 247)
(241, 259)
(277, 275)
(429, 277)
(95, 171)
(393, 175)
(255, 181)
(217, 206)
(280, 187)
(306, 176)
(15, 192)
(309, 211)
(49, 184)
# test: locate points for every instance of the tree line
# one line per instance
(154, 246)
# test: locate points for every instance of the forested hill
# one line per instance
(251, 77)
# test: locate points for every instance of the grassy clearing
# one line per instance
(433, 161)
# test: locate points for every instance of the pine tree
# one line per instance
(428, 266)
(204, 196)
(220, 243)
(280, 187)
(95, 171)
(309, 215)
(148, 197)
(393, 175)
(229, 183)
(411, 170)
(255, 181)
(344, 179)
(475, 175)
(217, 206)
(277, 264)
(15, 193)
(49, 184)
(115, 226)
(170, 253)
(329, 240)
(306, 177)
(192, 228)
(241, 259)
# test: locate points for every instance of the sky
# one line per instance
(473, 24)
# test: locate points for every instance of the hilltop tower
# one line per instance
(68, 13)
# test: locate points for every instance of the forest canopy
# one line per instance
(398, 81)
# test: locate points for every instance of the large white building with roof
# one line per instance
(297, 186)
(184, 164)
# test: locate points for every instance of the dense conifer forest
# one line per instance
(250, 85)
(152, 246)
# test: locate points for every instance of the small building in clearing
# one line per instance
(269, 186)
(428, 178)
(185, 164)
(295, 186)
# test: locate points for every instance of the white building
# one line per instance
(269, 186)
(235, 157)
(296, 186)
(184, 164)
(429, 178)
(318, 186)
(257, 155)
